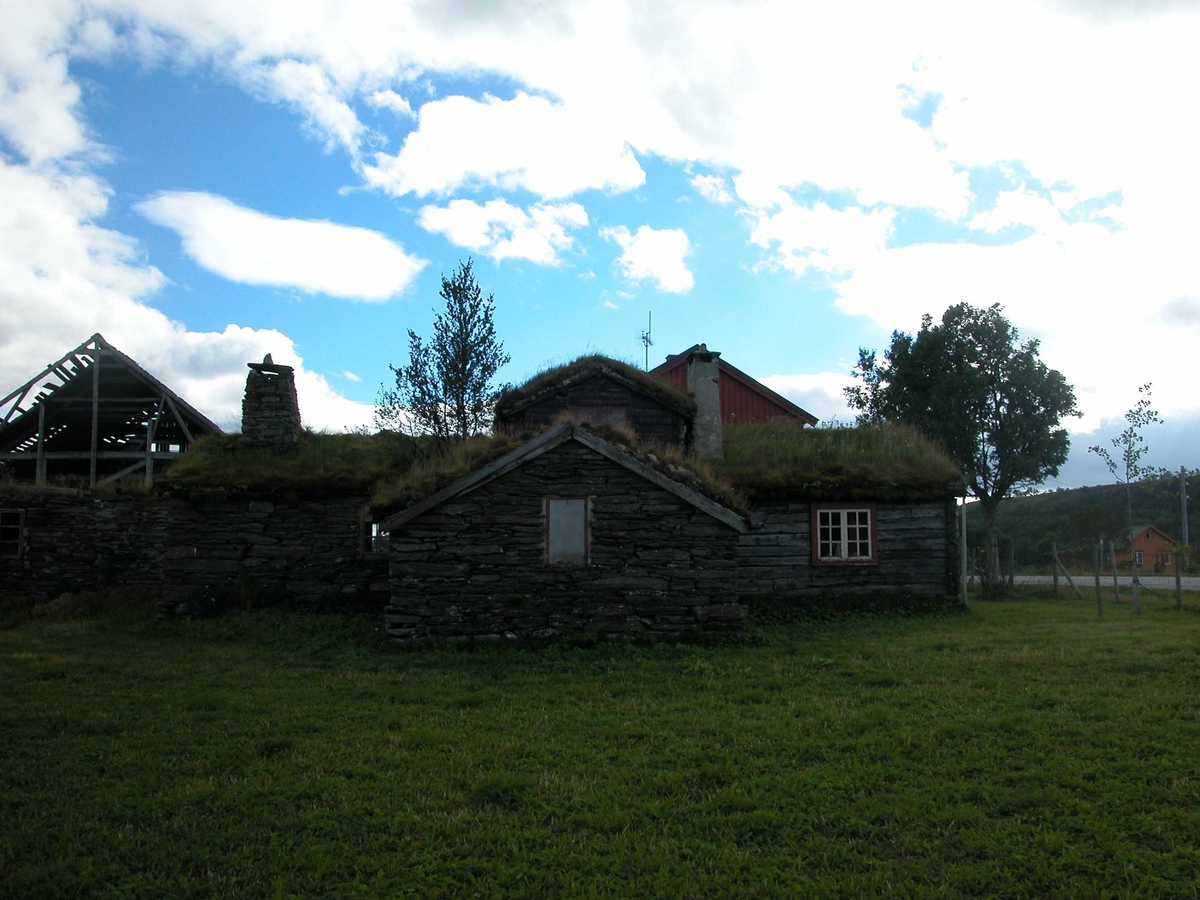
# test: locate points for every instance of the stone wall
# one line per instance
(474, 566)
(243, 548)
(270, 408)
(649, 419)
(916, 547)
(210, 549)
(74, 542)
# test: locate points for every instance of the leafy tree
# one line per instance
(447, 389)
(1130, 450)
(970, 384)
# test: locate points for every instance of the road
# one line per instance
(1154, 582)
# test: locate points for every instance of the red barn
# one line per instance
(744, 401)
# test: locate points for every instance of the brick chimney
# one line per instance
(703, 383)
(270, 410)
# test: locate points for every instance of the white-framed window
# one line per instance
(370, 538)
(844, 534)
(12, 533)
(1137, 557)
(568, 531)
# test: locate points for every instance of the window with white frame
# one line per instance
(12, 529)
(1137, 557)
(567, 531)
(844, 534)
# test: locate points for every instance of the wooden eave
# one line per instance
(591, 372)
(547, 441)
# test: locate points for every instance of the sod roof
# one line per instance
(549, 381)
(892, 462)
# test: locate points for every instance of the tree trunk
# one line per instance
(991, 575)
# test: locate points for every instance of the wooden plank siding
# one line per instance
(916, 554)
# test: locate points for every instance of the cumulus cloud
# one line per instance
(64, 278)
(712, 188)
(251, 247)
(503, 231)
(654, 255)
(1022, 206)
(802, 237)
(307, 88)
(527, 142)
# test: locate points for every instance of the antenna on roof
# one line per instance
(647, 341)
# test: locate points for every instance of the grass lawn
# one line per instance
(1024, 748)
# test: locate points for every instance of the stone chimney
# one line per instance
(703, 383)
(270, 411)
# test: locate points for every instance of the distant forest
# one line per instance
(1075, 519)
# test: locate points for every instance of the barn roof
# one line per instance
(95, 403)
(1149, 527)
(548, 440)
(553, 380)
(675, 365)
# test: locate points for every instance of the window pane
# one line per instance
(829, 534)
(566, 531)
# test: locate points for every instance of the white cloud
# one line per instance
(503, 231)
(307, 87)
(800, 237)
(350, 376)
(64, 278)
(654, 255)
(1021, 207)
(251, 247)
(608, 304)
(713, 188)
(819, 393)
(393, 101)
(527, 142)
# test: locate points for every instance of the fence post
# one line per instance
(1054, 567)
(1097, 562)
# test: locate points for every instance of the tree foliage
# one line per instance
(447, 389)
(973, 386)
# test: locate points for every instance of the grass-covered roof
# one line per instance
(320, 462)
(783, 460)
(761, 462)
(549, 379)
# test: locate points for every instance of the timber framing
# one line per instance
(95, 414)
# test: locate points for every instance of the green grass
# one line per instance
(888, 462)
(321, 461)
(1023, 748)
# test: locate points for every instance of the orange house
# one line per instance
(1151, 548)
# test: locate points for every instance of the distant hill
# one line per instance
(1075, 519)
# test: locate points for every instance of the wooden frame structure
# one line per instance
(95, 413)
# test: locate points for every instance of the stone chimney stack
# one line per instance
(270, 410)
(703, 383)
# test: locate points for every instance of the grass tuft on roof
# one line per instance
(549, 377)
(321, 461)
(786, 461)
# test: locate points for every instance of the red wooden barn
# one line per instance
(744, 401)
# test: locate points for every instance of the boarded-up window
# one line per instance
(12, 522)
(567, 531)
(845, 535)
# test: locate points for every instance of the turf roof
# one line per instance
(548, 380)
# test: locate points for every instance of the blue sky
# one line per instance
(207, 183)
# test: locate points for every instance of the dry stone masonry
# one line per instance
(270, 409)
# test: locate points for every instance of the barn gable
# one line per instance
(95, 414)
(604, 391)
(744, 400)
